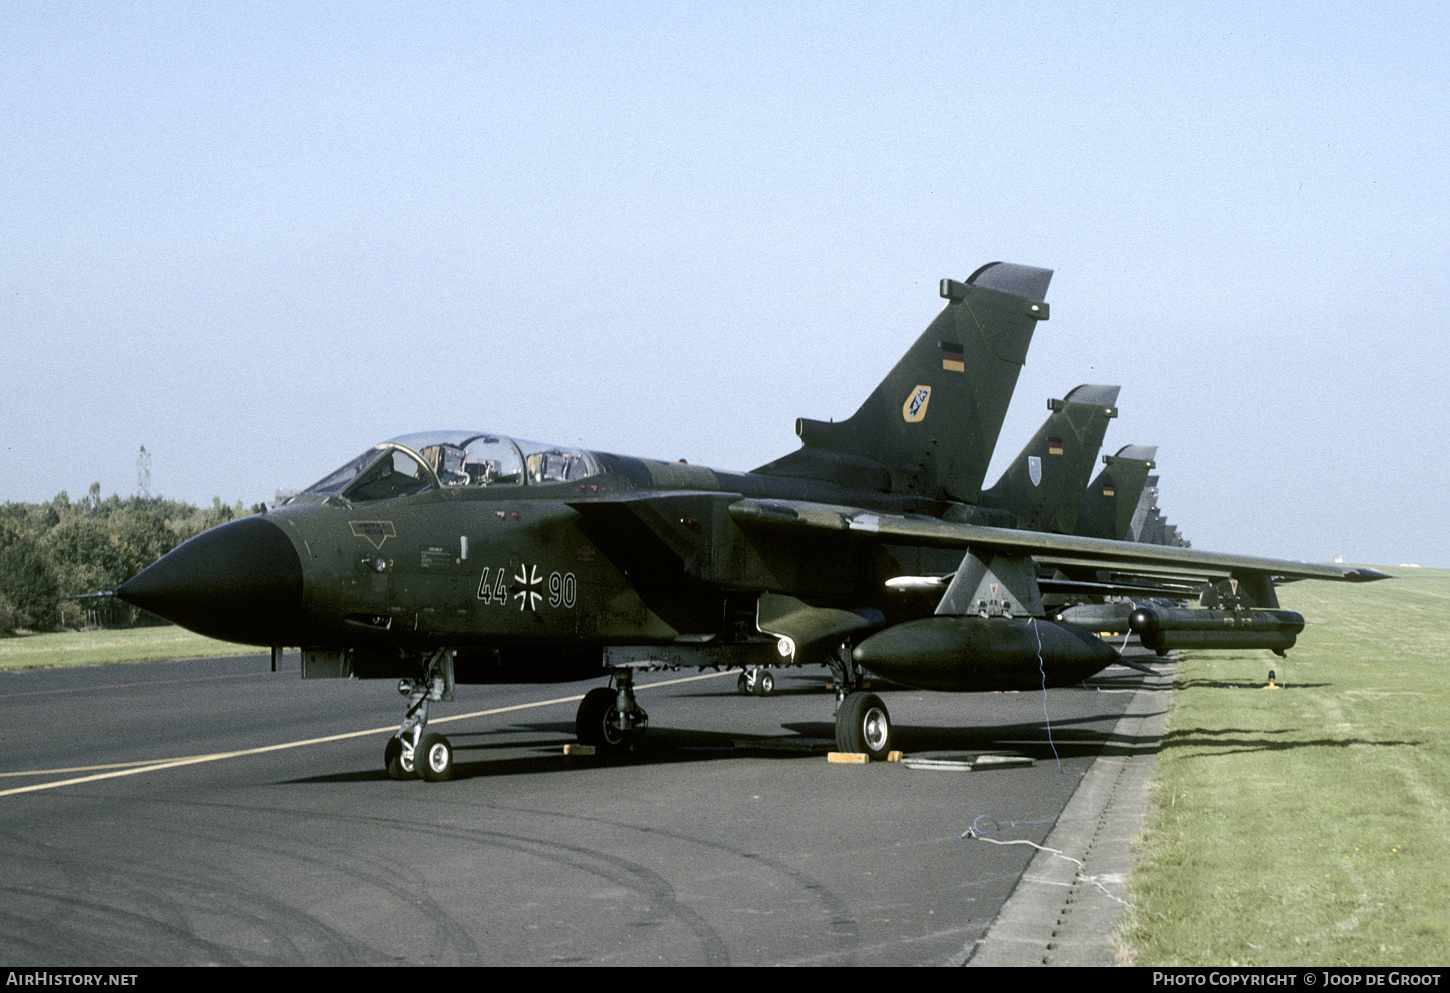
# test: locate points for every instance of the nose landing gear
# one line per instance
(410, 753)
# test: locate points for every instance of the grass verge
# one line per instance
(32, 651)
(1308, 825)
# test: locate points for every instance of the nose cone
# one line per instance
(239, 582)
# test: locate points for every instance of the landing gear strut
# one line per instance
(609, 717)
(862, 721)
(410, 752)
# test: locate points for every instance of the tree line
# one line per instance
(64, 547)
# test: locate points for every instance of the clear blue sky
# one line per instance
(256, 238)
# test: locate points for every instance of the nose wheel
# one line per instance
(411, 752)
(433, 759)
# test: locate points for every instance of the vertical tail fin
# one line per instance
(1043, 487)
(930, 427)
(1112, 498)
(1149, 526)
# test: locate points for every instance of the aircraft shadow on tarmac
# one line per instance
(1086, 737)
(1071, 738)
(661, 746)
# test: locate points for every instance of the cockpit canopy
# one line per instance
(412, 463)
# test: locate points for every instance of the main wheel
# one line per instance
(398, 763)
(863, 725)
(594, 724)
(434, 758)
(764, 682)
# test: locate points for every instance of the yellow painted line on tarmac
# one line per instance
(80, 768)
(155, 765)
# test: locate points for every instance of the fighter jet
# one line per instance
(438, 558)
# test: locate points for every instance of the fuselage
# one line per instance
(437, 541)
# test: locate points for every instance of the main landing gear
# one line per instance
(411, 752)
(610, 717)
(862, 721)
(755, 681)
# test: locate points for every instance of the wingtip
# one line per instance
(1362, 574)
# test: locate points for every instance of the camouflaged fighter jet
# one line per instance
(444, 557)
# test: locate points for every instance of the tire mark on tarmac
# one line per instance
(129, 908)
(310, 851)
(658, 893)
(841, 925)
(279, 919)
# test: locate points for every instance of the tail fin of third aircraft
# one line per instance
(1044, 486)
(930, 427)
(1111, 502)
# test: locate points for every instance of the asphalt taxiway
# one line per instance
(209, 811)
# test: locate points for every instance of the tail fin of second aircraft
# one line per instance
(930, 427)
(1043, 487)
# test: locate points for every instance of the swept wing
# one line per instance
(1133, 558)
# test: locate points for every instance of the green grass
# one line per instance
(1309, 825)
(32, 651)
